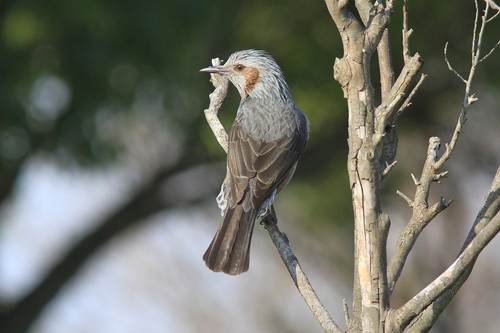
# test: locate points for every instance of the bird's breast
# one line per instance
(267, 120)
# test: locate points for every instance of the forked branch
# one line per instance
(422, 213)
(424, 308)
(476, 57)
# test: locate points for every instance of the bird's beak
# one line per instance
(213, 69)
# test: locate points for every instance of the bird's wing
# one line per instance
(258, 167)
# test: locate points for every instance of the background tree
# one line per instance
(372, 150)
(111, 91)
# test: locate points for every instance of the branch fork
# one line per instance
(378, 139)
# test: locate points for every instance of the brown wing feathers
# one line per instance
(267, 162)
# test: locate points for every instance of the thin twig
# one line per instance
(398, 94)
(491, 51)
(346, 311)
(421, 216)
(388, 168)
(406, 33)
(469, 98)
(405, 197)
(217, 97)
(450, 67)
(439, 293)
(298, 276)
(407, 102)
(490, 208)
(494, 15)
(400, 317)
(474, 35)
(493, 5)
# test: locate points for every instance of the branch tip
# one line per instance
(406, 198)
(416, 181)
(450, 67)
(346, 311)
(388, 168)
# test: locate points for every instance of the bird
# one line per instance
(267, 138)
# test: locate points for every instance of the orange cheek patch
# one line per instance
(252, 77)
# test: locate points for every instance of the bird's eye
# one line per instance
(239, 67)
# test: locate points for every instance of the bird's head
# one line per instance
(254, 73)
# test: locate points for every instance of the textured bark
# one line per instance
(352, 71)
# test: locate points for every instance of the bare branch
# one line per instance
(469, 98)
(476, 48)
(419, 220)
(346, 311)
(474, 34)
(406, 33)
(450, 67)
(421, 216)
(441, 291)
(402, 316)
(217, 97)
(398, 94)
(407, 102)
(388, 168)
(415, 180)
(298, 276)
(386, 69)
(490, 208)
(492, 49)
(341, 16)
(428, 172)
(493, 5)
(405, 197)
(376, 25)
(370, 224)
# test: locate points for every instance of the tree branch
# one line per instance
(421, 216)
(484, 229)
(469, 98)
(406, 33)
(299, 277)
(489, 210)
(407, 101)
(398, 94)
(392, 107)
(279, 238)
(377, 23)
(352, 71)
(217, 98)
(383, 50)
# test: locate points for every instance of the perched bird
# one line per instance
(267, 138)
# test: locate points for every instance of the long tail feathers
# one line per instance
(230, 248)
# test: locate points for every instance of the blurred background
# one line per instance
(109, 172)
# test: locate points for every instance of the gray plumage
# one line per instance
(266, 140)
